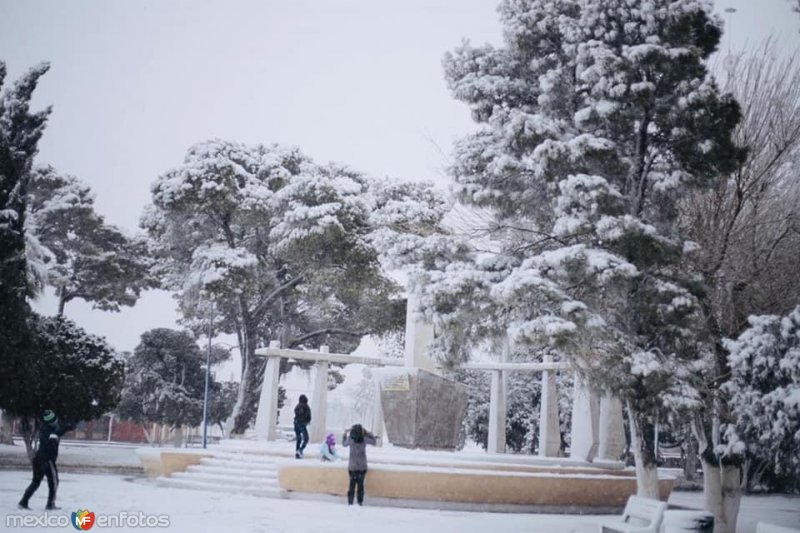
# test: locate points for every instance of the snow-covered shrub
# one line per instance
(764, 393)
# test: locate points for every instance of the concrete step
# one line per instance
(234, 464)
(216, 487)
(227, 479)
(245, 473)
(245, 457)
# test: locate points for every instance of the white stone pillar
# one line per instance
(319, 399)
(612, 428)
(419, 333)
(267, 416)
(497, 405)
(497, 413)
(585, 421)
(377, 415)
(549, 427)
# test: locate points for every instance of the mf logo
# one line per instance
(82, 519)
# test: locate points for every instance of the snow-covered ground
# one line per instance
(196, 511)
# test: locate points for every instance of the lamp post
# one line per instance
(208, 372)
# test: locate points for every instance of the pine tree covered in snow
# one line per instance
(595, 118)
(164, 380)
(764, 392)
(20, 130)
(283, 246)
(68, 370)
(47, 362)
(90, 259)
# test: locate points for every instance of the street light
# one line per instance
(208, 372)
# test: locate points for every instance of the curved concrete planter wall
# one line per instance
(546, 488)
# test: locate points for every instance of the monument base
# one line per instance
(422, 409)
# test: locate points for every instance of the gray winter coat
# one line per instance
(358, 451)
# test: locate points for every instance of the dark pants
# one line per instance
(43, 467)
(356, 483)
(301, 437)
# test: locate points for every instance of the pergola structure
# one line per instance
(597, 425)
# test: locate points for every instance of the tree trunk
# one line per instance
(148, 434)
(62, 301)
(712, 492)
(642, 443)
(721, 482)
(28, 430)
(690, 461)
(177, 436)
(242, 409)
(731, 496)
(6, 428)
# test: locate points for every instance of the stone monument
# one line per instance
(421, 409)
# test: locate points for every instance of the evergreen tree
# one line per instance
(595, 119)
(281, 245)
(165, 381)
(764, 393)
(20, 130)
(47, 362)
(68, 370)
(91, 259)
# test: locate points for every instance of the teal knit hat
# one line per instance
(49, 416)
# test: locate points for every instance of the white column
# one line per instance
(319, 400)
(497, 405)
(612, 428)
(419, 333)
(377, 415)
(549, 427)
(267, 415)
(585, 421)
(497, 413)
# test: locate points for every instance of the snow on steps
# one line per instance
(229, 472)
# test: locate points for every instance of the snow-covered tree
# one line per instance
(91, 260)
(764, 391)
(281, 245)
(748, 244)
(76, 374)
(20, 130)
(48, 363)
(595, 119)
(164, 380)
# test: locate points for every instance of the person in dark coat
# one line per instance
(44, 461)
(302, 417)
(357, 439)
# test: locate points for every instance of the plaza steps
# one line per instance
(230, 472)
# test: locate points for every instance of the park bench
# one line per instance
(641, 515)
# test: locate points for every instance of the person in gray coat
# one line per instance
(357, 439)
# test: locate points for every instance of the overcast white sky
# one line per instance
(134, 83)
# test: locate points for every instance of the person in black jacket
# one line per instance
(302, 417)
(44, 462)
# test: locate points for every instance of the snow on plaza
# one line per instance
(517, 264)
(200, 510)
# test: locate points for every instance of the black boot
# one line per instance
(23, 505)
(52, 507)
